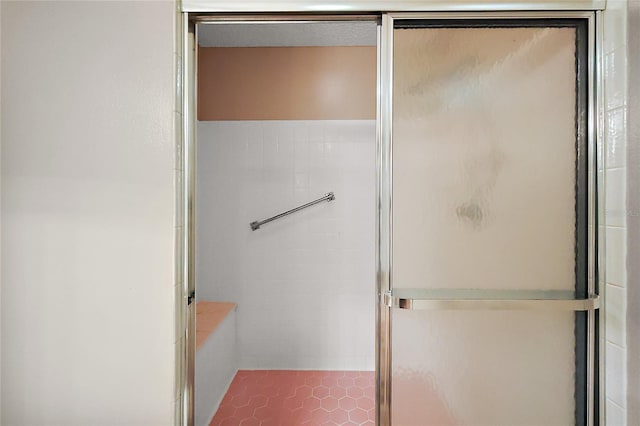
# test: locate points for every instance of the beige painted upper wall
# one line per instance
(287, 83)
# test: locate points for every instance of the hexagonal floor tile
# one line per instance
(292, 397)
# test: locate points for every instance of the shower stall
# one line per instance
(285, 221)
(393, 217)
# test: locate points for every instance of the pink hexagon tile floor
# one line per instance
(288, 398)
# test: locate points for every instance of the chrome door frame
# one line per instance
(192, 11)
(187, 129)
(595, 187)
(381, 6)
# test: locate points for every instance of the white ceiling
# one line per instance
(288, 34)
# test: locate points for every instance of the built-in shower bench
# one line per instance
(216, 356)
(209, 315)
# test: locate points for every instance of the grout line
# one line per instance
(617, 285)
(624, 348)
(616, 404)
(616, 108)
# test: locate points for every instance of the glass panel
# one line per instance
(487, 180)
(484, 158)
(482, 368)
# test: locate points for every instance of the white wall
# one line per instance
(87, 213)
(615, 220)
(304, 285)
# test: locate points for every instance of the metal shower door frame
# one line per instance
(193, 12)
(187, 83)
(588, 302)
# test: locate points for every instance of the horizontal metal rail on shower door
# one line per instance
(257, 224)
(501, 300)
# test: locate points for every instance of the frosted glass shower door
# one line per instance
(492, 297)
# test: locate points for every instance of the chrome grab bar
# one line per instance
(256, 224)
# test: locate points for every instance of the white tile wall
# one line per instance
(615, 112)
(305, 284)
(615, 315)
(616, 415)
(615, 193)
(616, 377)
(633, 216)
(615, 256)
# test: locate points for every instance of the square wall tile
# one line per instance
(616, 313)
(615, 197)
(616, 138)
(615, 270)
(615, 25)
(615, 415)
(616, 377)
(615, 78)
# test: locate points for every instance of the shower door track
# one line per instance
(202, 11)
